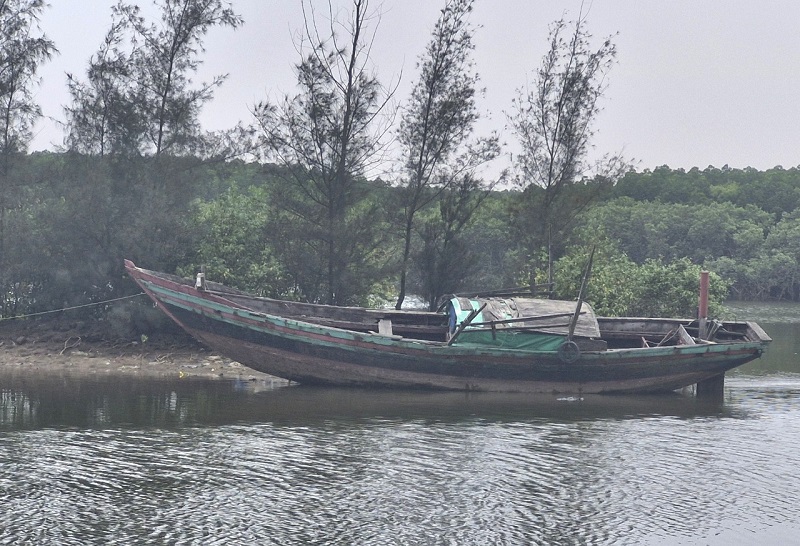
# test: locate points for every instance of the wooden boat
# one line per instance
(500, 344)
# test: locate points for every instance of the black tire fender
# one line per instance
(569, 352)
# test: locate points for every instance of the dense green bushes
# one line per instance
(620, 287)
(79, 217)
(741, 224)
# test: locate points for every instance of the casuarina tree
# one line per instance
(23, 48)
(133, 124)
(439, 152)
(328, 137)
(139, 93)
(553, 121)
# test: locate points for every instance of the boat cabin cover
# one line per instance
(508, 322)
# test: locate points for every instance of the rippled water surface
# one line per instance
(123, 461)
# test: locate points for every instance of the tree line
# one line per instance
(740, 223)
(290, 205)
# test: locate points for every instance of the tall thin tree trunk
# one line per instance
(404, 269)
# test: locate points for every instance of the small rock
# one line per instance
(21, 340)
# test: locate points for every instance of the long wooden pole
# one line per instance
(581, 295)
(474, 313)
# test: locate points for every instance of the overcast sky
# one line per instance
(697, 83)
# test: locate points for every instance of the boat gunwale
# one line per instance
(300, 330)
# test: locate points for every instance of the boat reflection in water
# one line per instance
(40, 401)
(122, 461)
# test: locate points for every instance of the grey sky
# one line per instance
(698, 82)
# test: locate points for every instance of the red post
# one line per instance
(703, 306)
(712, 388)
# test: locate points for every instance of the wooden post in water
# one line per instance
(702, 313)
(713, 387)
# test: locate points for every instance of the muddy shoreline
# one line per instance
(54, 347)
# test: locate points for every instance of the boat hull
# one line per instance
(313, 354)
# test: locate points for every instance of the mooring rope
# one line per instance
(73, 307)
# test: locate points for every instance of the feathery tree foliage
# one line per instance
(328, 137)
(553, 123)
(139, 94)
(103, 117)
(446, 261)
(126, 185)
(23, 48)
(435, 129)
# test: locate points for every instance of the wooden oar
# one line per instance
(581, 295)
(525, 319)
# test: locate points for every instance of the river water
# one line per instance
(124, 461)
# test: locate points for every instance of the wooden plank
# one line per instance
(385, 327)
(684, 337)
